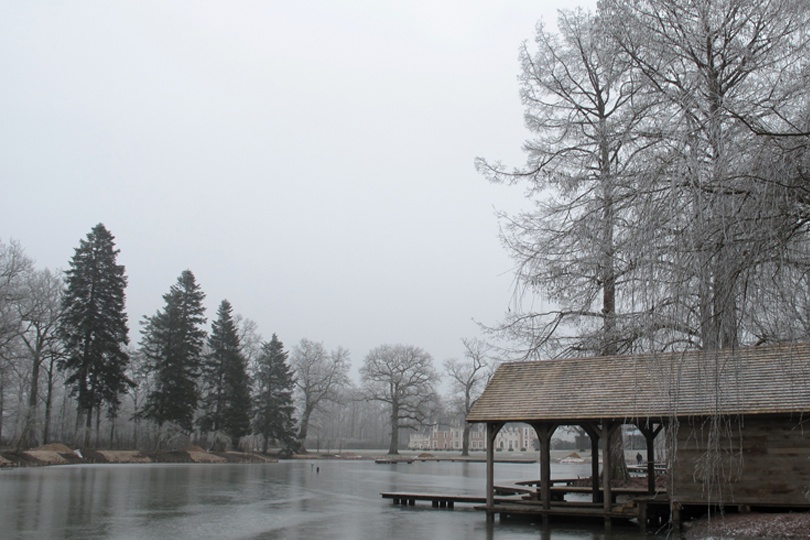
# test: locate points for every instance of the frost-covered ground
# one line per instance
(751, 525)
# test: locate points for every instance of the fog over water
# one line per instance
(310, 161)
(290, 500)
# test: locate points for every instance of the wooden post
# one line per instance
(545, 466)
(492, 431)
(604, 439)
(651, 459)
(650, 434)
(544, 431)
(642, 516)
(593, 432)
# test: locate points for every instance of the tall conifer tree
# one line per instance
(94, 327)
(273, 401)
(226, 400)
(173, 341)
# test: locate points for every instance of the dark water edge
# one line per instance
(286, 500)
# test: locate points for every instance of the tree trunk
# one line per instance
(27, 436)
(393, 447)
(88, 426)
(303, 430)
(618, 465)
(2, 401)
(465, 440)
(98, 426)
(46, 428)
(79, 431)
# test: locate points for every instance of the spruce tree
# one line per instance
(273, 401)
(94, 328)
(226, 399)
(172, 342)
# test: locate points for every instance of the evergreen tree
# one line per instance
(94, 328)
(226, 399)
(172, 342)
(273, 401)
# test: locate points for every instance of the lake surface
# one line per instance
(286, 500)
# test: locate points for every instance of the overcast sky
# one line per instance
(310, 161)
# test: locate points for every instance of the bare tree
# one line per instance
(655, 220)
(403, 377)
(319, 377)
(467, 379)
(669, 166)
(732, 78)
(14, 266)
(578, 244)
(39, 310)
(251, 340)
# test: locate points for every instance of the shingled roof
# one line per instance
(755, 380)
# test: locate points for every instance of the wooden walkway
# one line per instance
(438, 500)
(560, 487)
(567, 509)
(520, 498)
(411, 459)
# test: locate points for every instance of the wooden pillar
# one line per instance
(592, 429)
(492, 431)
(544, 432)
(604, 440)
(642, 515)
(650, 434)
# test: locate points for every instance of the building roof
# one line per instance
(755, 380)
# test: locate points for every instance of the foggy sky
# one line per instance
(312, 161)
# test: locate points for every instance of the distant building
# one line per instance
(512, 438)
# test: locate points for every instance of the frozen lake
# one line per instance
(289, 500)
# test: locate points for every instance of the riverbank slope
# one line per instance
(60, 454)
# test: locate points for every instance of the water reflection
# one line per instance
(289, 500)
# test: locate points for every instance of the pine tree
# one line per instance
(172, 342)
(94, 327)
(226, 399)
(273, 401)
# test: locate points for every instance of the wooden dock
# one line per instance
(520, 499)
(438, 500)
(411, 459)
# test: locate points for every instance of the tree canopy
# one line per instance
(668, 142)
(403, 377)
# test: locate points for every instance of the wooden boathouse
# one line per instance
(735, 424)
